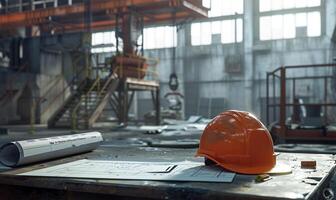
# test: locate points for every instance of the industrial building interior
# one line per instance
(167, 99)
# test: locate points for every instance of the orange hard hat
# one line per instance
(239, 142)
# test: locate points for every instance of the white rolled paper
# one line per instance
(30, 151)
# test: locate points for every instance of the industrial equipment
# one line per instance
(128, 66)
(301, 102)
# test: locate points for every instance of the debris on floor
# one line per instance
(262, 178)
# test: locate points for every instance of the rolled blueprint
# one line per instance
(30, 151)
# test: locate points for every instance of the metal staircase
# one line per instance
(85, 105)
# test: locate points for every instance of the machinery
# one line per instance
(301, 102)
(128, 66)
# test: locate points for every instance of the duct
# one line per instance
(25, 152)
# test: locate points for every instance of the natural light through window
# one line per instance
(285, 26)
(270, 5)
(230, 31)
(160, 37)
(296, 22)
(103, 42)
(224, 7)
(154, 38)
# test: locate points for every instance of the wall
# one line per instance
(202, 68)
(45, 80)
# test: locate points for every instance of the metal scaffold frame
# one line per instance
(281, 99)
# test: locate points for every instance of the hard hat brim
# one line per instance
(278, 168)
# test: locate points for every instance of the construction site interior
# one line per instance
(168, 99)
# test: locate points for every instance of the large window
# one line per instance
(224, 7)
(103, 42)
(296, 22)
(154, 38)
(227, 27)
(271, 5)
(230, 31)
(160, 37)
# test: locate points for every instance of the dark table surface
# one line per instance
(132, 146)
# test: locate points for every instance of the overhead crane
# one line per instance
(103, 12)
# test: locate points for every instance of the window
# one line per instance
(154, 38)
(295, 23)
(103, 42)
(284, 26)
(230, 31)
(159, 37)
(271, 5)
(224, 8)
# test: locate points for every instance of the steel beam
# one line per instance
(108, 24)
(36, 17)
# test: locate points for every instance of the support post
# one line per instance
(283, 101)
(267, 99)
(274, 100)
(157, 106)
(325, 101)
(32, 116)
(125, 105)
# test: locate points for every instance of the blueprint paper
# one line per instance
(126, 170)
(29, 151)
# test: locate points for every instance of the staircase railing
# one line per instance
(50, 89)
(69, 86)
(75, 110)
(107, 83)
(9, 86)
(109, 87)
(61, 93)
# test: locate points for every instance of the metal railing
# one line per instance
(86, 96)
(278, 94)
(62, 92)
(10, 85)
(99, 93)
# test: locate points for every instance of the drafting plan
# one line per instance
(29, 151)
(128, 170)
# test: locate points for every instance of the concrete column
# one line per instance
(330, 14)
(182, 34)
(248, 55)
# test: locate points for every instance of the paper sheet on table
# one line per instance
(199, 127)
(153, 128)
(125, 170)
